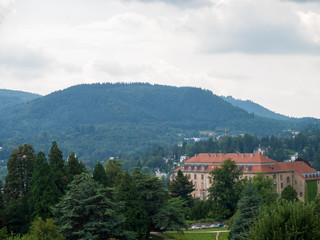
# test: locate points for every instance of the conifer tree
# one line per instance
(85, 212)
(20, 169)
(248, 206)
(74, 167)
(57, 167)
(134, 209)
(182, 187)
(44, 192)
(99, 174)
(113, 172)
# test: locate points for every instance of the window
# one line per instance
(195, 176)
(301, 194)
(281, 185)
(288, 180)
(210, 181)
(267, 176)
(274, 176)
(295, 182)
(280, 176)
(201, 176)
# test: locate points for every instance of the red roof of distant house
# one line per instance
(249, 162)
(237, 157)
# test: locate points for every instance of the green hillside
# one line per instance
(255, 108)
(101, 120)
(9, 98)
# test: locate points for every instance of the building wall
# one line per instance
(202, 182)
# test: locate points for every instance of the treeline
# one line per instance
(57, 199)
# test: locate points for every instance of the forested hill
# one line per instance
(255, 108)
(101, 120)
(9, 98)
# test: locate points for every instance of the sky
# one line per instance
(267, 51)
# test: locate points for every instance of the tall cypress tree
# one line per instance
(44, 192)
(57, 167)
(99, 174)
(74, 167)
(134, 209)
(20, 169)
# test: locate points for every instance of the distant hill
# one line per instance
(255, 108)
(9, 98)
(101, 120)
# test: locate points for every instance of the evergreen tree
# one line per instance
(226, 188)
(57, 167)
(157, 205)
(85, 212)
(2, 222)
(248, 206)
(134, 210)
(99, 174)
(44, 192)
(113, 172)
(289, 194)
(182, 187)
(20, 169)
(74, 167)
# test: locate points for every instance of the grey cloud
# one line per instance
(6, 7)
(181, 3)
(301, 1)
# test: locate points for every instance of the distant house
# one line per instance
(299, 174)
(160, 174)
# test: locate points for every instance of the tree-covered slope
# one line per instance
(255, 108)
(101, 120)
(10, 98)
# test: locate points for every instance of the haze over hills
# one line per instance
(10, 98)
(255, 108)
(101, 120)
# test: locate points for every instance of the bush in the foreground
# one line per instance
(287, 220)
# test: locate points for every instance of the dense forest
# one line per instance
(99, 121)
(9, 98)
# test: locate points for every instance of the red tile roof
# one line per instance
(237, 157)
(249, 162)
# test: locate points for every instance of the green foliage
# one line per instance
(45, 230)
(20, 170)
(99, 174)
(265, 188)
(85, 212)
(289, 194)
(287, 220)
(248, 206)
(161, 213)
(57, 167)
(44, 192)
(226, 187)
(3, 233)
(312, 190)
(74, 167)
(134, 209)
(113, 172)
(10, 98)
(182, 187)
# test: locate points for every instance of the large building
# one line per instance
(299, 174)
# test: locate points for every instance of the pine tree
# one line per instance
(57, 167)
(85, 212)
(44, 192)
(134, 209)
(248, 206)
(113, 172)
(20, 169)
(99, 174)
(182, 187)
(74, 167)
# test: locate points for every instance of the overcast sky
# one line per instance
(267, 51)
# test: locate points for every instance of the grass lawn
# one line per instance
(223, 236)
(192, 236)
(207, 229)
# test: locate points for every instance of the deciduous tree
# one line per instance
(289, 194)
(226, 187)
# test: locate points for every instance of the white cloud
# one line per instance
(6, 7)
